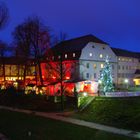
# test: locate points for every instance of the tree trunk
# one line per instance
(24, 76)
(3, 67)
(40, 73)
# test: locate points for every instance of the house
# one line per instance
(128, 67)
(80, 61)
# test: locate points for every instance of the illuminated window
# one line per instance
(66, 55)
(101, 56)
(52, 57)
(87, 65)
(94, 66)
(102, 65)
(119, 58)
(73, 54)
(90, 54)
(59, 57)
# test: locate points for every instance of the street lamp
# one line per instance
(126, 81)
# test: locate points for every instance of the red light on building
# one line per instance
(54, 77)
(67, 77)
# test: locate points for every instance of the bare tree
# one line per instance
(3, 47)
(33, 39)
(4, 15)
(22, 42)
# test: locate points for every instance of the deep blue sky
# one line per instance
(117, 22)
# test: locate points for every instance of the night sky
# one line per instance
(117, 22)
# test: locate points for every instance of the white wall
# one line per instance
(91, 55)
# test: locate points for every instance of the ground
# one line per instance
(118, 112)
(19, 126)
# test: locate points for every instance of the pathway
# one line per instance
(60, 116)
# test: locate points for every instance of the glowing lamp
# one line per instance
(85, 94)
(126, 80)
(100, 82)
(67, 77)
(54, 77)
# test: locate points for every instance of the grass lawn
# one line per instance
(16, 126)
(119, 112)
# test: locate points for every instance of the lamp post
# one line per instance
(126, 81)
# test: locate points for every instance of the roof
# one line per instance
(125, 53)
(14, 60)
(76, 44)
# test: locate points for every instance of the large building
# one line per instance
(77, 62)
(83, 59)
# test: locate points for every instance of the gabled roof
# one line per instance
(125, 53)
(76, 44)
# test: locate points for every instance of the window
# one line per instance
(93, 46)
(66, 55)
(87, 65)
(129, 67)
(101, 56)
(87, 75)
(94, 66)
(119, 58)
(90, 54)
(123, 67)
(73, 54)
(112, 67)
(126, 67)
(95, 76)
(102, 65)
(52, 57)
(119, 67)
(103, 48)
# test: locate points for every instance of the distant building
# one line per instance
(128, 66)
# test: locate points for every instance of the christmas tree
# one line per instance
(105, 80)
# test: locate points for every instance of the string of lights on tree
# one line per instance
(106, 80)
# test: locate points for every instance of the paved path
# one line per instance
(59, 116)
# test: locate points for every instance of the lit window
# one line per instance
(73, 54)
(66, 55)
(94, 66)
(101, 56)
(119, 58)
(52, 57)
(102, 65)
(59, 57)
(90, 54)
(87, 65)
